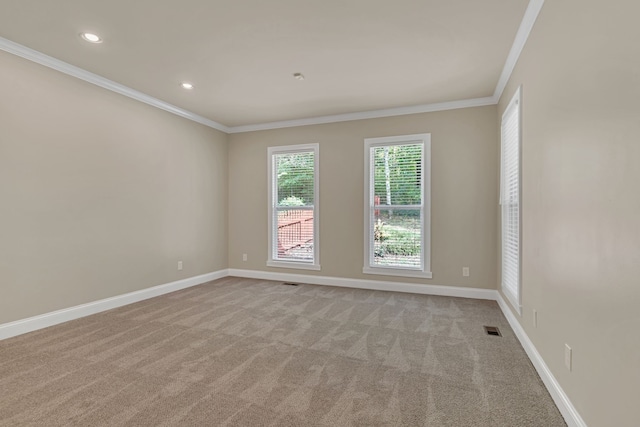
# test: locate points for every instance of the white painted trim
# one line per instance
(425, 289)
(374, 114)
(369, 143)
(568, 411)
(30, 324)
(397, 271)
(272, 190)
(294, 265)
(529, 18)
(517, 307)
(526, 25)
(514, 298)
(72, 70)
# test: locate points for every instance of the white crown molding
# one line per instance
(568, 411)
(72, 70)
(376, 285)
(522, 35)
(529, 18)
(34, 323)
(363, 115)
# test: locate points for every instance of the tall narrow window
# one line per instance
(397, 206)
(510, 186)
(293, 207)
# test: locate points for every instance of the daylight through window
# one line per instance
(293, 206)
(510, 200)
(397, 234)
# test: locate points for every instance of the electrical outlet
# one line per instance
(244, 257)
(465, 271)
(535, 318)
(179, 265)
(568, 355)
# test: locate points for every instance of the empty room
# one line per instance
(319, 213)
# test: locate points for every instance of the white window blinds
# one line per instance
(397, 206)
(510, 200)
(293, 204)
(396, 237)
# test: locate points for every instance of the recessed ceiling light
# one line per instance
(91, 38)
(187, 85)
(298, 76)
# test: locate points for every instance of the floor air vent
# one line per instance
(290, 284)
(492, 330)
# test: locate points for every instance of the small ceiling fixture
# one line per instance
(186, 85)
(298, 76)
(91, 38)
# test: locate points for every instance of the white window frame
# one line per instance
(272, 260)
(425, 206)
(514, 107)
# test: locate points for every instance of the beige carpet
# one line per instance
(239, 352)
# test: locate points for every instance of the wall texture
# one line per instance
(580, 74)
(101, 195)
(464, 177)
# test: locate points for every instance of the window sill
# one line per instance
(293, 264)
(400, 272)
(512, 300)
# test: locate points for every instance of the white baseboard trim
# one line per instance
(568, 411)
(378, 285)
(30, 324)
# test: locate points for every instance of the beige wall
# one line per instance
(580, 73)
(101, 195)
(464, 149)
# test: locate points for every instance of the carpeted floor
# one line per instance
(240, 352)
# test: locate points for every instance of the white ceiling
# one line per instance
(356, 55)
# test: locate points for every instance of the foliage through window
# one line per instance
(397, 206)
(293, 206)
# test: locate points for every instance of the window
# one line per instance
(510, 200)
(397, 205)
(293, 207)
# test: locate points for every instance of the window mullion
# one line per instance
(396, 234)
(293, 231)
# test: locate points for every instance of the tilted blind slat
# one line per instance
(293, 206)
(396, 206)
(397, 174)
(510, 199)
(295, 179)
